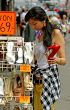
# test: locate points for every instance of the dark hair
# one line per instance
(38, 13)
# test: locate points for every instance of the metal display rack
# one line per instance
(11, 71)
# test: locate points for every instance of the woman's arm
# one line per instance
(58, 39)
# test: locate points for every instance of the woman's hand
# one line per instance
(56, 60)
(52, 61)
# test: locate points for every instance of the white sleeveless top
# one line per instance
(40, 56)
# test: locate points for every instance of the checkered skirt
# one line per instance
(51, 87)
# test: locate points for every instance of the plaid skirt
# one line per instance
(51, 87)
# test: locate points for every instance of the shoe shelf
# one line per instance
(17, 83)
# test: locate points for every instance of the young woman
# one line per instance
(47, 86)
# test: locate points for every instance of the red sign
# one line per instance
(7, 23)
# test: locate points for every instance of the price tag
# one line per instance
(24, 99)
(7, 23)
(25, 68)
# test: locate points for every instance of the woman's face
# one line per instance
(36, 24)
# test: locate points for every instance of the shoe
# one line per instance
(20, 55)
(10, 55)
(28, 53)
(27, 83)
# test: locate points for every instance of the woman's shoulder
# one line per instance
(56, 30)
(57, 36)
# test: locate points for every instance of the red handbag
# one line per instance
(54, 49)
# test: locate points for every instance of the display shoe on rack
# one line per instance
(29, 86)
(28, 53)
(2, 101)
(20, 55)
(10, 56)
(27, 83)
